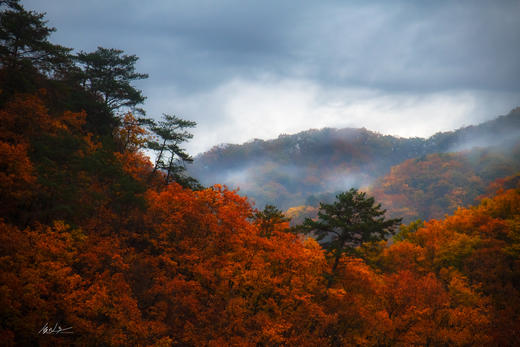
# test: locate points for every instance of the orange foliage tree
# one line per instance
(226, 282)
(474, 253)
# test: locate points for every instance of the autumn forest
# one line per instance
(106, 239)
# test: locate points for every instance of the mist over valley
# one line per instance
(314, 165)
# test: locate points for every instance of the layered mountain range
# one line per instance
(314, 165)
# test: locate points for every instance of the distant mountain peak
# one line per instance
(285, 170)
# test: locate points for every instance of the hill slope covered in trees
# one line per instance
(437, 184)
(99, 246)
(286, 171)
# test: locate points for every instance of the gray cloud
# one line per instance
(403, 50)
(388, 45)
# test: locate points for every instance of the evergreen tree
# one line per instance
(169, 134)
(353, 219)
(107, 74)
(268, 219)
(26, 55)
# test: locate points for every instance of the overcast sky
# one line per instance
(255, 69)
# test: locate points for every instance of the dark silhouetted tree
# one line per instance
(108, 73)
(26, 55)
(353, 219)
(270, 219)
(24, 39)
(169, 134)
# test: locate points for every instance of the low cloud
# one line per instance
(241, 110)
(247, 70)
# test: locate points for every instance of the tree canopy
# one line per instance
(108, 73)
(353, 219)
(26, 54)
(24, 40)
(167, 136)
(269, 219)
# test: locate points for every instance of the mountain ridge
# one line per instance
(286, 170)
(465, 128)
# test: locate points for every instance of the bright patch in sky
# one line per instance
(245, 70)
(241, 110)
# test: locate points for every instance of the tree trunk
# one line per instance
(334, 267)
(159, 157)
(169, 168)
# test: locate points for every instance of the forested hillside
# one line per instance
(437, 184)
(288, 170)
(433, 185)
(101, 246)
